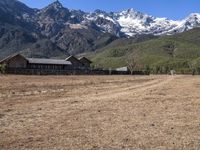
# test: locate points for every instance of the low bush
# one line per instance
(2, 68)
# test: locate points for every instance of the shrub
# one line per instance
(147, 69)
(2, 68)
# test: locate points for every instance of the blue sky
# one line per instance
(172, 9)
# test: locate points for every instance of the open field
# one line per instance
(100, 112)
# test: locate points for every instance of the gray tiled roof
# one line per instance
(48, 61)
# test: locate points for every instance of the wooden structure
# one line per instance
(86, 62)
(75, 62)
(18, 63)
(15, 61)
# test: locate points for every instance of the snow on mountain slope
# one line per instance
(192, 21)
(132, 23)
(55, 17)
(104, 21)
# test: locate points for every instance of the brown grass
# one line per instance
(100, 112)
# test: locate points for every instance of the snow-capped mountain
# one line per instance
(76, 31)
(128, 22)
(125, 23)
(134, 22)
(131, 23)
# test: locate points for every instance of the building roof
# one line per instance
(72, 58)
(122, 69)
(11, 56)
(85, 59)
(39, 60)
(48, 61)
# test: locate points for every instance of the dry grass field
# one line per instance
(100, 112)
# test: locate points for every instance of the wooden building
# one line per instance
(75, 62)
(85, 62)
(19, 62)
(52, 64)
(15, 61)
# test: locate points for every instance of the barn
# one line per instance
(75, 62)
(18, 62)
(86, 62)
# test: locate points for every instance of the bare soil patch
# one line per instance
(100, 112)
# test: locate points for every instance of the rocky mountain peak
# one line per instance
(56, 5)
(53, 7)
(55, 11)
(14, 7)
(131, 10)
(132, 13)
(98, 11)
(193, 17)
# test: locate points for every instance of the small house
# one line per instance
(85, 62)
(75, 62)
(15, 61)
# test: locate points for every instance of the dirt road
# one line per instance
(100, 112)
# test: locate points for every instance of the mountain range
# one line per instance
(54, 19)
(56, 31)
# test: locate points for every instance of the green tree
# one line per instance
(147, 69)
(167, 69)
(157, 69)
(198, 70)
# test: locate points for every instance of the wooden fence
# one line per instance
(24, 71)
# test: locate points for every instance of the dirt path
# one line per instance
(100, 112)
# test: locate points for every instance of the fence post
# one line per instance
(110, 71)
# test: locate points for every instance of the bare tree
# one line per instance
(131, 64)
